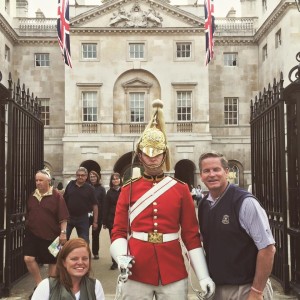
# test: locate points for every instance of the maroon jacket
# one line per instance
(43, 217)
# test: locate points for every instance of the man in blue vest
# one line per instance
(236, 235)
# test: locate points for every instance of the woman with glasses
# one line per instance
(94, 179)
(110, 204)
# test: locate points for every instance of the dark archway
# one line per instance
(184, 171)
(91, 165)
(123, 165)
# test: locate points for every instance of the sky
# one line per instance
(49, 7)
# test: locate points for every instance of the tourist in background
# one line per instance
(110, 204)
(60, 188)
(95, 180)
(80, 198)
(46, 219)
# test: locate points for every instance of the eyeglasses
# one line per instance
(81, 175)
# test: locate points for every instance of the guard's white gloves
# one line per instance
(118, 251)
(200, 267)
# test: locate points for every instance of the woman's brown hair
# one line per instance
(112, 177)
(96, 174)
(61, 272)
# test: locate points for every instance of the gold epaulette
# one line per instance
(131, 180)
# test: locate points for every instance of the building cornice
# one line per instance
(38, 40)
(157, 4)
(184, 83)
(150, 30)
(278, 12)
(235, 40)
(8, 30)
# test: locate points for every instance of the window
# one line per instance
(89, 50)
(42, 60)
(265, 52)
(89, 106)
(231, 111)
(183, 50)
(136, 50)
(278, 38)
(7, 53)
(184, 105)
(234, 174)
(230, 59)
(137, 107)
(45, 110)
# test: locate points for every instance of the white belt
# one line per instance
(155, 237)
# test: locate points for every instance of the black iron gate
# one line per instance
(292, 100)
(275, 140)
(23, 142)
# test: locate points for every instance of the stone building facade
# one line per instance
(126, 53)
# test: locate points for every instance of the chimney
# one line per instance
(231, 13)
(39, 14)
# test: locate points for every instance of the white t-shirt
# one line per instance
(42, 292)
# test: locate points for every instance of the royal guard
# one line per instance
(155, 218)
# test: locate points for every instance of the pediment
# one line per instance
(136, 83)
(136, 14)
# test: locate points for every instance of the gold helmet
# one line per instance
(153, 140)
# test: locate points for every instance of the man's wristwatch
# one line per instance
(63, 231)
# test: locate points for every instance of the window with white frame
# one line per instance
(89, 50)
(89, 106)
(45, 110)
(137, 107)
(42, 59)
(136, 50)
(231, 110)
(230, 59)
(7, 53)
(183, 50)
(278, 38)
(184, 106)
(265, 52)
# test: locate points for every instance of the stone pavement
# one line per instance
(101, 270)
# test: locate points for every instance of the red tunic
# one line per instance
(172, 211)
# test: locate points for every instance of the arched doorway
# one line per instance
(236, 173)
(184, 171)
(123, 166)
(91, 165)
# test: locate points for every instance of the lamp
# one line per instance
(298, 4)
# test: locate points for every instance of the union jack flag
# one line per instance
(63, 30)
(209, 29)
